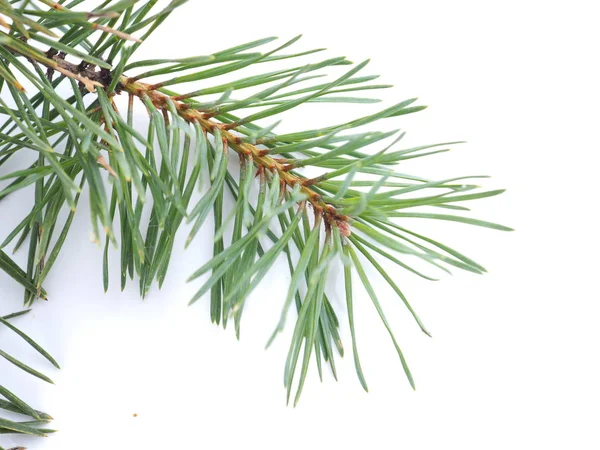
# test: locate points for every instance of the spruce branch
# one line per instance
(64, 75)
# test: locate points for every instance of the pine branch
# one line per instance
(14, 404)
(352, 208)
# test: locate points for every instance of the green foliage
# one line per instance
(351, 209)
(10, 402)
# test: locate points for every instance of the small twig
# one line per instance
(90, 77)
(259, 156)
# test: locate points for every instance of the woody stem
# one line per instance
(260, 159)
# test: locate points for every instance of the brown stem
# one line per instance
(259, 157)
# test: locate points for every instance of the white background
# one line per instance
(513, 362)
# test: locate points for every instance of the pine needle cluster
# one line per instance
(311, 197)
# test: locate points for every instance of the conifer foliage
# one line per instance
(70, 87)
